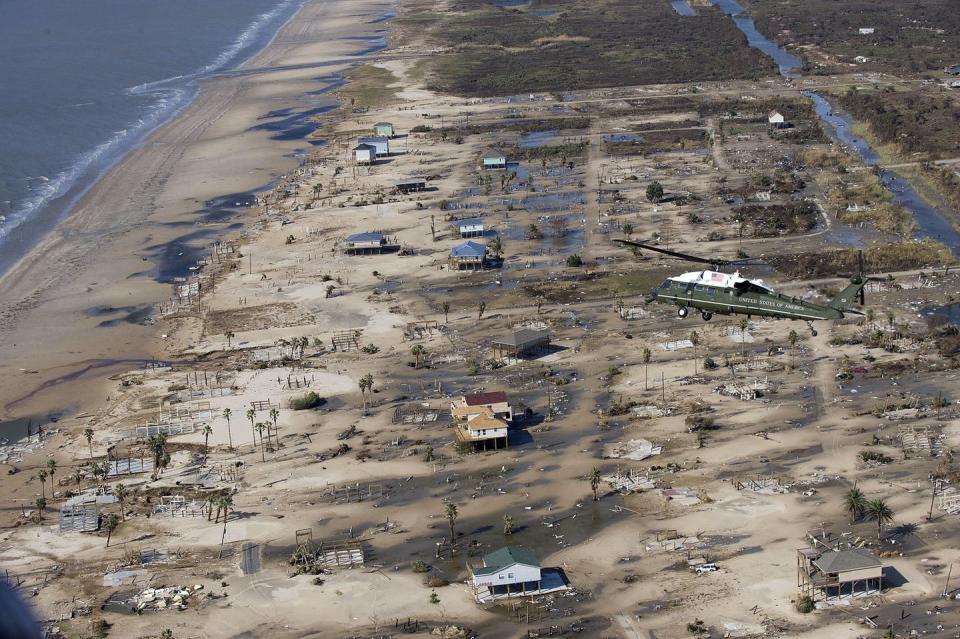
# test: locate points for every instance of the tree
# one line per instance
(110, 523)
(166, 634)
(226, 503)
(51, 470)
(451, 512)
(418, 352)
(41, 503)
(42, 476)
(260, 427)
(88, 434)
(481, 307)
(226, 415)
(854, 503)
(695, 340)
(628, 230)
(574, 260)
(446, 312)
(646, 366)
(330, 289)
(507, 525)
(207, 431)
(229, 335)
(744, 323)
(879, 511)
(595, 483)
(366, 384)
(120, 492)
(158, 447)
(793, 338)
(275, 415)
(252, 415)
(654, 192)
(496, 247)
(77, 478)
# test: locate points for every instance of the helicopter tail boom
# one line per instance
(852, 293)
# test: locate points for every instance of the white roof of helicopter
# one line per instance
(713, 278)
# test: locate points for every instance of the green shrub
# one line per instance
(804, 604)
(306, 402)
(574, 260)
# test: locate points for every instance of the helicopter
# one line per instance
(712, 291)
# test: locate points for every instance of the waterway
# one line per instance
(931, 222)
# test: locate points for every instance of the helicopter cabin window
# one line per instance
(698, 287)
(711, 292)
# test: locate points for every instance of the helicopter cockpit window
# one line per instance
(666, 284)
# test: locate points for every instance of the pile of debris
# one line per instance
(628, 483)
(745, 391)
(164, 598)
(634, 449)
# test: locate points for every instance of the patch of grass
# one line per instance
(368, 86)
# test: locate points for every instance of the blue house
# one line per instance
(468, 256)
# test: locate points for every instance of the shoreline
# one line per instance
(94, 258)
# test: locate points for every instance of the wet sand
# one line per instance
(77, 302)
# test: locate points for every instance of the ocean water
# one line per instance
(85, 81)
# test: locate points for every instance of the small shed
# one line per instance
(776, 118)
(470, 227)
(521, 343)
(411, 185)
(493, 159)
(379, 142)
(469, 256)
(384, 129)
(508, 571)
(365, 154)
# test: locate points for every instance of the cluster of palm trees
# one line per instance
(223, 503)
(858, 506)
(269, 427)
(365, 384)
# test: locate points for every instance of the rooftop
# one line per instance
(493, 153)
(365, 237)
(846, 560)
(470, 221)
(505, 557)
(364, 147)
(523, 336)
(480, 399)
(374, 138)
(468, 249)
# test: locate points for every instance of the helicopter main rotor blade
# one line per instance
(690, 258)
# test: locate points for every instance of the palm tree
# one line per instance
(229, 335)
(451, 512)
(158, 446)
(695, 340)
(88, 433)
(207, 431)
(42, 476)
(646, 366)
(110, 523)
(120, 492)
(252, 415)
(365, 383)
(51, 470)
(481, 307)
(260, 427)
(879, 510)
(507, 525)
(744, 323)
(41, 503)
(77, 477)
(418, 352)
(274, 415)
(854, 503)
(226, 503)
(446, 312)
(226, 415)
(793, 338)
(496, 247)
(166, 634)
(595, 482)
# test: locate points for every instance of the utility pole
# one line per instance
(933, 496)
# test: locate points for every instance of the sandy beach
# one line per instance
(54, 352)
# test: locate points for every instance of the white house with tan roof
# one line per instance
(480, 427)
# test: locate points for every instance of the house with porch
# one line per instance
(365, 154)
(521, 343)
(513, 572)
(469, 256)
(470, 227)
(384, 129)
(411, 185)
(367, 244)
(495, 401)
(830, 574)
(380, 142)
(480, 428)
(493, 159)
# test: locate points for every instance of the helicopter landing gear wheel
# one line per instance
(683, 311)
(813, 331)
(706, 315)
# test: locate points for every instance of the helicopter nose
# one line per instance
(651, 297)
